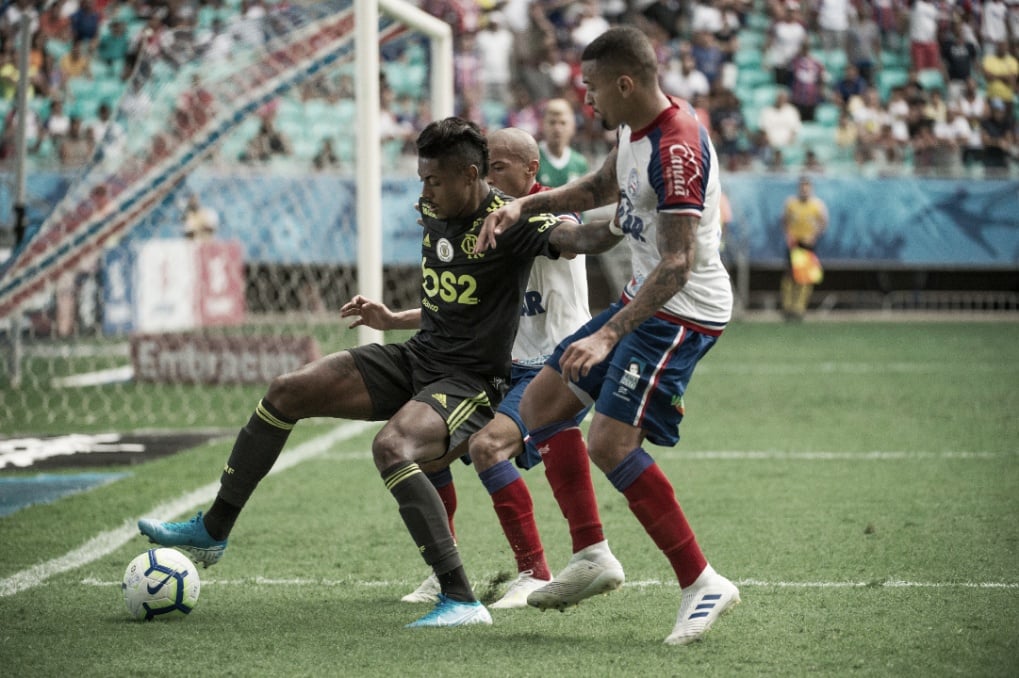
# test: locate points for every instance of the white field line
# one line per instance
(650, 583)
(839, 367)
(784, 455)
(109, 541)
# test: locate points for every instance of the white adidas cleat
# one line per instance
(701, 604)
(519, 589)
(591, 571)
(428, 592)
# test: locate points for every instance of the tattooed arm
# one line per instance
(677, 247)
(592, 190)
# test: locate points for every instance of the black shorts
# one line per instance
(395, 375)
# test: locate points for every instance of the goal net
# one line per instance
(209, 242)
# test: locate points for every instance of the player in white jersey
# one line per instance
(635, 360)
(554, 305)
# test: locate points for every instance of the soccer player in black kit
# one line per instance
(434, 390)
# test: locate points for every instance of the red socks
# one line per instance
(515, 509)
(568, 470)
(653, 501)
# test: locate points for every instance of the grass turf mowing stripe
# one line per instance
(110, 540)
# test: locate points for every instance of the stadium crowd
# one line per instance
(925, 86)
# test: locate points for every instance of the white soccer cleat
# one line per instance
(428, 592)
(591, 571)
(519, 589)
(700, 605)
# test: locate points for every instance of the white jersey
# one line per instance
(554, 306)
(671, 167)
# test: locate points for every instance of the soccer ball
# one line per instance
(161, 583)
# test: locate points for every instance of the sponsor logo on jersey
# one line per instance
(444, 250)
(631, 377)
(467, 246)
(677, 402)
(681, 160)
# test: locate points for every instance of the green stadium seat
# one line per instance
(747, 58)
(889, 78)
(931, 79)
(827, 115)
(749, 78)
(764, 95)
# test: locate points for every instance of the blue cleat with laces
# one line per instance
(190, 537)
(449, 612)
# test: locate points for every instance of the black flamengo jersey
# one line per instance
(470, 303)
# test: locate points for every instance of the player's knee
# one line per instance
(285, 394)
(487, 449)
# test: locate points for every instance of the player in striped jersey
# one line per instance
(635, 360)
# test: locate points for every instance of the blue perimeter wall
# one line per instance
(895, 222)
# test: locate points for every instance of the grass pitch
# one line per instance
(858, 481)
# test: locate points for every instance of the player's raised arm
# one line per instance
(589, 191)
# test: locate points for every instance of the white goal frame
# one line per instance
(369, 161)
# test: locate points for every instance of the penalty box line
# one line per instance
(109, 541)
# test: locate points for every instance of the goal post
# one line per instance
(369, 194)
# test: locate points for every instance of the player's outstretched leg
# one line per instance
(700, 605)
(189, 536)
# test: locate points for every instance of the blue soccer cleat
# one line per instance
(449, 612)
(190, 537)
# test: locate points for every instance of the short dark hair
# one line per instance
(457, 140)
(624, 50)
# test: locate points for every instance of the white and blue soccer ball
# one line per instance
(161, 583)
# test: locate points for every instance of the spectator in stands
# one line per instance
(76, 148)
(931, 155)
(13, 13)
(524, 113)
(993, 23)
(85, 24)
(812, 163)
(113, 44)
(495, 50)
(1001, 70)
(560, 163)
(956, 132)
(589, 25)
(76, 63)
(325, 157)
(892, 16)
(863, 41)
(780, 122)
(9, 73)
(997, 133)
(958, 56)
(33, 133)
(267, 143)
(682, 79)
(808, 88)
(729, 130)
(57, 124)
(708, 57)
(200, 221)
(850, 86)
(786, 37)
(923, 35)
(833, 22)
(54, 24)
(869, 118)
(846, 135)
